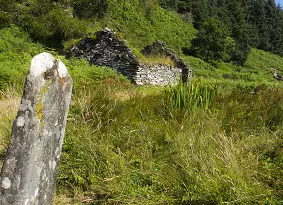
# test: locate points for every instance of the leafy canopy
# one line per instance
(213, 42)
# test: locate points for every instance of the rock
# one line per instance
(107, 50)
(276, 75)
(30, 168)
(159, 48)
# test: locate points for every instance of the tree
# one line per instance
(201, 12)
(277, 37)
(169, 4)
(90, 8)
(49, 22)
(240, 29)
(213, 42)
(260, 20)
(6, 9)
(275, 25)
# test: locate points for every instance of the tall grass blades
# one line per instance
(9, 103)
(190, 96)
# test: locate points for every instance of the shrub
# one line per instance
(50, 23)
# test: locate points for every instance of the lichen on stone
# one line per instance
(41, 63)
(29, 172)
(20, 121)
(6, 183)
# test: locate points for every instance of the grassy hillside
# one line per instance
(140, 29)
(216, 140)
(257, 70)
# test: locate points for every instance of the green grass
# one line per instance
(9, 103)
(256, 71)
(132, 152)
(190, 96)
(16, 51)
(141, 29)
(216, 140)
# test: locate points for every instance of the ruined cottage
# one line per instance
(106, 49)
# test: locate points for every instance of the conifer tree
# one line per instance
(6, 12)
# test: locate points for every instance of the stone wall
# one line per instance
(157, 75)
(108, 50)
(160, 48)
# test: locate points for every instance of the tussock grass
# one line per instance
(135, 151)
(190, 96)
(157, 60)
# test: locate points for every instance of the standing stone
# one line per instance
(30, 169)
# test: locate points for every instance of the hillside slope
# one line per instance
(257, 69)
(217, 140)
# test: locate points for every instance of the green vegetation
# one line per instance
(255, 23)
(256, 70)
(217, 139)
(141, 30)
(190, 96)
(16, 51)
(119, 151)
(213, 42)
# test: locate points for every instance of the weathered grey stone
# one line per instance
(30, 169)
(157, 75)
(159, 48)
(107, 50)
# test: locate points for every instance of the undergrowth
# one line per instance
(217, 140)
(119, 151)
(198, 143)
(16, 52)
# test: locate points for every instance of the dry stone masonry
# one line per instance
(157, 75)
(107, 50)
(29, 172)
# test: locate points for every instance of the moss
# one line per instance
(39, 106)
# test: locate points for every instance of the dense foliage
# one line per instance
(255, 23)
(213, 42)
(252, 23)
